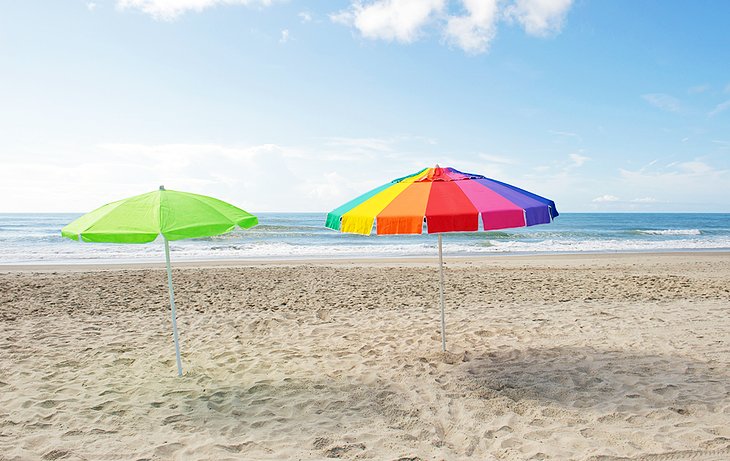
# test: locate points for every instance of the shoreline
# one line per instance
(500, 259)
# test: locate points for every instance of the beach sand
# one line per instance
(588, 357)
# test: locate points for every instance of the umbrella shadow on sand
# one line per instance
(582, 377)
(478, 405)
(607, 399)
(254, 418)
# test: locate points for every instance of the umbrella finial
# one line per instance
(162, 187)
(437, 166)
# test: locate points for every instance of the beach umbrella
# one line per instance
(171, 214)
(445, 200)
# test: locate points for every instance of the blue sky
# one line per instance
(301, 105)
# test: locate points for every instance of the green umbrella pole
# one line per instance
(172, 303)
(441, 295)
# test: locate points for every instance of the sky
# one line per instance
(293, 105)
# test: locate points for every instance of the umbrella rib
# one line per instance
(159, 210)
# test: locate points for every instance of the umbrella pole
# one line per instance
(172, 303)
(441, 295)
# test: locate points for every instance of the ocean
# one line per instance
(36, 239)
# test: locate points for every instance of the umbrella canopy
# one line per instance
(446, 200)
(171, 214)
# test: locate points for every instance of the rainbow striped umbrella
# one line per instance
(445, 200)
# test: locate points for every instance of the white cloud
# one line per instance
(611, 202)
(566, 134)
(284, 36)
(400, 20)
(539, 17)
(695, 167)
(169, 10)
(498, 159)
(474, 31)
(606, 198)
(698, 89)
(331, 184)
(264, 177)
(360, 146)
(405, 20)
(722, 107)
(185, 152)
(662, 101)
(689, 185)
(91, 6)
(108, 172)
(682, 186)
(578, 160)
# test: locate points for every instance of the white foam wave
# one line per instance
(607, 246)
(96, 253)
(670, 232)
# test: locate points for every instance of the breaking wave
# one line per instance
(670, 232)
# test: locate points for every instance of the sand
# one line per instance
(601, 357)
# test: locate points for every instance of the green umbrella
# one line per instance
(174, 215)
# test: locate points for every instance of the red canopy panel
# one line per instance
(450, 210)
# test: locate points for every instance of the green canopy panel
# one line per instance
(142, 218)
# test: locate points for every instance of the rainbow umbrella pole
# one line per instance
(446, 200)
(171, 214)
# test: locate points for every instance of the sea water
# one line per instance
(36, 239)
